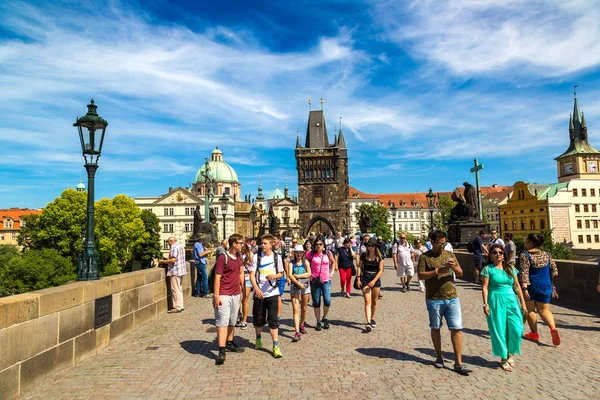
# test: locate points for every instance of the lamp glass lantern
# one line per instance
(253, 218)
(224, 201)
(431, 203)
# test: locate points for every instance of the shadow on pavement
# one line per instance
(472, 360)
(477, 332)
(578, 327)
(393, 354)
(353, 325)
(201, 347)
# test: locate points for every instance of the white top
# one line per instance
(267, 267)
(403, 255)
(498, 242)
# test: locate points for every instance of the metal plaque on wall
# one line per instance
(103, 311)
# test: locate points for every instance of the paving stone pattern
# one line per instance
(173, 357)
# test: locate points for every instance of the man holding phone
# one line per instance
(437, 268)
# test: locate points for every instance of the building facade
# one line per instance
(322, 179)
(10, 223)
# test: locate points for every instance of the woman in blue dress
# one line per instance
(501, 307)
(538, 269)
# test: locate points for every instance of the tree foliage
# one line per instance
(379, 219)
(558, 251)
(441, 218)
(34, 270)
(150, 249)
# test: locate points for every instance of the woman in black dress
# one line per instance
(369, 271)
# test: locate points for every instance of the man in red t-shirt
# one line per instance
(229, 287)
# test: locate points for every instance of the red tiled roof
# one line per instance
(15, 214)
(413, 200)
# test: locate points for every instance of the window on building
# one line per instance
(586, 208)
(592, 192)
(166, 210)
(514, 225)
(532, 225)
(587, 224)
(187, 211)
(580, 238)
(505, 226)
(577, 208)
(575, 194)
(412, 227)
(187, 228)
(531, 210)
(596, 239)
(522, 225)
(165, 245)
(8, 223)
(593, 208)
(583, 192)
(595, 223)
(542, 224)
(1, 236)
(13, 236)
(542, 209)
(171, 211)
(405, 214)
(588, 238)
(168, 228)
(578, 224)
(227, 190)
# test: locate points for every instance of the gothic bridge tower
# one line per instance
(322, 179)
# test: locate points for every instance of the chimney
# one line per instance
(495, 185)
(170, 189)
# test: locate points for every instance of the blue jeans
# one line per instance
(201, 276)
(448, 309)
(316, 292)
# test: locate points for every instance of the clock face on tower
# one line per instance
(592, 166)
(569, 169)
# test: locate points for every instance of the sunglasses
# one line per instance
(498, 253)
(319, 244)
(370, 245)
(440, 244)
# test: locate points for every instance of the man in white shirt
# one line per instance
(404, 260)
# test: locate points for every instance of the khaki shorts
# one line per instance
(226, 314)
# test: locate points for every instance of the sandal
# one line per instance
(505, 366)
(511, 362)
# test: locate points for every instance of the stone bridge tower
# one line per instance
(322, 179)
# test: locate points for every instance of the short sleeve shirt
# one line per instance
(267, 267)
(229, 269)
(511, 247)
(403, 255)
(477, 242)
(440, 287)
(198, 249)
(178, 267)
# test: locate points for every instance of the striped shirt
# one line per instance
(178, 267)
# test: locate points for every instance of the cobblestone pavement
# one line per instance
(173, 357)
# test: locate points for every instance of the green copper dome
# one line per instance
(219, 169)
(276, 194)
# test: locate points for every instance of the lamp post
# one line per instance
(394, 210)
(224, 202)
(253, 219)
(431, 202)
(91, 134)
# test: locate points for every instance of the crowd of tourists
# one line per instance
(263, 270)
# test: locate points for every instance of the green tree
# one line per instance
(34, 270)
(379, 219)
(28, 237)
(558, 251)
(119, 229)
(441, 218)
(150, 248)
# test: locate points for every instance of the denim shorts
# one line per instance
(448, 309)
(248, 283)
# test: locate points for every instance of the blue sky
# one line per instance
(423, 87)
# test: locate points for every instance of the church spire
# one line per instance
(578, 133)
(341, 142)
(260, 189)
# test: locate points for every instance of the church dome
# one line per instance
(276, 194)
(80, 187)
(219, 169)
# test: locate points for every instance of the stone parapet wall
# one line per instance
(47, 331)
(576, 281)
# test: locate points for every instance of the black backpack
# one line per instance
(257, 275)
(471, 246)
(211, 275)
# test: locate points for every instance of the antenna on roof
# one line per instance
(575, 90)
(321, 103)
(309, 104)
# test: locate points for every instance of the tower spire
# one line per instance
(341, 143)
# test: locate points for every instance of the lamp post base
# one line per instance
(87, 265)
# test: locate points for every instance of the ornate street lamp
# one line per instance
(431, 202)
(394, 211)
(253, 219)
(224, 202)
(91, 134)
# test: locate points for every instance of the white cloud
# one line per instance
(549, 38)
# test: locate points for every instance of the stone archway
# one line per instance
(317, 220)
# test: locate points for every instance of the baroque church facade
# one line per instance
(322, 179)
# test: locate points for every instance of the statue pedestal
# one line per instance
(460, 233)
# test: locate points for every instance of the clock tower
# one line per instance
(580, 160)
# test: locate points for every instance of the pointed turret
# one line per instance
(584, 135)
(316, 131)
(286, 191)
(341, 142)
(571, 128)
(298, 142)
(578, 134)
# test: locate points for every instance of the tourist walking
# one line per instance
(322, 268)
(479, 252)
(510, 250)
(200, 262)
(279, 248)
(538, 270)
(369, 271)
(437, 268)
(403, 262)
(175, 271)
(299, 273)
(418, 250)
(229, 286)
(345, 264)
(503, 308)
(247, 255)
(266, 268)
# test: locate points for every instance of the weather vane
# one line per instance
(309, 103)
(321, 103)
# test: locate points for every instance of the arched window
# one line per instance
(505, 226)
(542, 224)
(522, 225)
(514, 225)
(532, 225)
